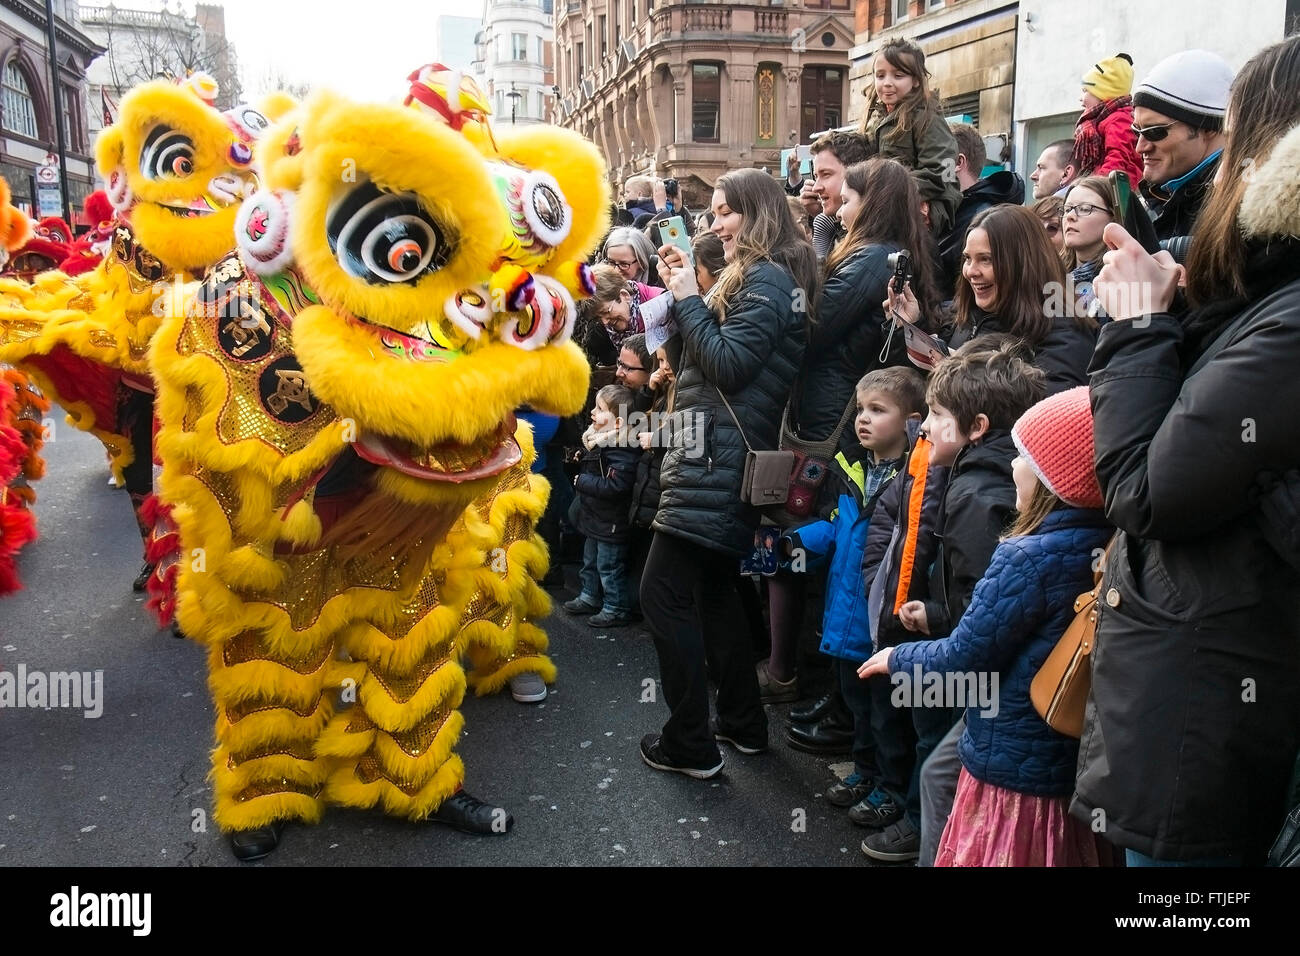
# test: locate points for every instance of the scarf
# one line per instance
(1270, 264)
(635, 324)
(1089, 143)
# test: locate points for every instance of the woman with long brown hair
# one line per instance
(740, 354)
(1193, 723)
(1012, 281)
(881, 210)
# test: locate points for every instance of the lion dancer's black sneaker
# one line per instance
(255, 844)
(470, 815)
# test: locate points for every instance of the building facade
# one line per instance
(515, 60)
(970, 51)
(1057, 43)
(692, 90)
(141, 45)
(27, 132)
(454, 43)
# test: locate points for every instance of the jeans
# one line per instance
(604, 573)
(938, 791)
(1134, 858)
(856, 693)
(689, 599)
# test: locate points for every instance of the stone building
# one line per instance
(515, 60)
(691, 90)
(27, 131)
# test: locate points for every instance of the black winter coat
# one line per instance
(977, 508)
(753, 357)
(844, 343)
(645, 490)
(1000, 188)
(604, 487)
(1063, 356)
(1193, 722)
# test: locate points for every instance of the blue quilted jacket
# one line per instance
(1018, 612)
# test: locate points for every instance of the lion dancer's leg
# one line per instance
(272, 692)
(135, 413)
(503, 644)
(394, 747)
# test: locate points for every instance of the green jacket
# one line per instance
(931, 154)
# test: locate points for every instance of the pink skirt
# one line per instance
(992, 826)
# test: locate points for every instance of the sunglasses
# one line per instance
(1152, 134)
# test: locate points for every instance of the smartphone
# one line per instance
(1131, 214)
(673, 232)
(1123, 195)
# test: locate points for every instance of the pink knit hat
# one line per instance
(1055, 438)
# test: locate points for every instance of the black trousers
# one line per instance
(689, 599)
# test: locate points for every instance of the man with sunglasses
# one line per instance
(1178, 120)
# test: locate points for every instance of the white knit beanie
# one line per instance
(1191, 87)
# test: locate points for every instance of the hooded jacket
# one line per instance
(997, 189)
(1193, 723)
(930, 153)
(977, 507)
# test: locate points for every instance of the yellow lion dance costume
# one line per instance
(342, 458)
(177, 169)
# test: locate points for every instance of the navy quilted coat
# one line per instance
(1018, 612)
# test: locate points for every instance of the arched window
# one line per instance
(19, 110)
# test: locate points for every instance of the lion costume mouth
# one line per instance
(451, 461)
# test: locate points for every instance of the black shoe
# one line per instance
(606, 619)
(878, 810)
(176, 630)
(823, 737)
(753, 747)
(471, 815)
(579, 606)
(255, 844)
(813, 712)
(652, 753)
(897, 843)
(142, 579)
(845, 793)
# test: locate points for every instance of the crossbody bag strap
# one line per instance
(849, 409)
(734, 418)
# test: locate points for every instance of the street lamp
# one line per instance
(515, 97)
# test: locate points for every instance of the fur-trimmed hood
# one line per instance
(1270, 205)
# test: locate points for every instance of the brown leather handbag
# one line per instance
(1059, 690)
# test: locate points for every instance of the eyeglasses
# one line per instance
(622, 265)
(1152, 134)
(629, 368)
(1082, 210)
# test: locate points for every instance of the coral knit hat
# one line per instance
(1055, 437)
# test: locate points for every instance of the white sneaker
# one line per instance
(528, 687)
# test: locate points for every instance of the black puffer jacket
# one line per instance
(999, 189)
(645, 491)
(977, 507)
(604, 487)
(1063, 356)
(753, 358)
(844, 343)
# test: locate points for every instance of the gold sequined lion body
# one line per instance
(341, 454)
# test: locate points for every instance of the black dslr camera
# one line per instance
(901, 263)
(670, 188)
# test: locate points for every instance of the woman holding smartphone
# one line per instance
(741, 349)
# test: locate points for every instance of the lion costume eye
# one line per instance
(383, 237)
(167, 154)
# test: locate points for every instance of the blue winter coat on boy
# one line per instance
(846, 633)
(1018, 612)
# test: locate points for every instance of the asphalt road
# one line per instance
(129, 787)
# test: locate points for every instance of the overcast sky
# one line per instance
(364, 48)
